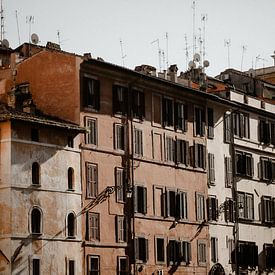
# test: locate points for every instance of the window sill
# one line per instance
(35, 185)
(89, 109)
(70, 190)
(71, 237)
(36, 235)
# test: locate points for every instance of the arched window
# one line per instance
(36, 221)
(71, 225)
(70, 178)
(35, 173)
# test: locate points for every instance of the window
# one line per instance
(120, 100)
(140, 199)
(247, 255)
(71, 267)
(266, 132)
(93, 232)
(182, 148)
(200, 208)
(228, 172)
(35, 134)
(245, 206)
(202, 252)
(229, 210)
(159, 201)
(244, 164)
(199, 122)
(269, 253)
(167, 112)
(199, 155)
(36, 221)
(35, 266)
(138, 104)
(176, 204)
(141, 249)
(121, 184)
(70, 178)
(210, 123)
(268, 210)
(71, 225)
(181, 122)
(91, 135)
(92, 180)
(70, 141)
(212, 208)
(157, 109)
(119, 137)
(93, 265)
(240, 124)
(123, 266)
(211, 168)
(91, 93)
(214, 250)
(121, 229)
(178, 252)
(159, 250)
(138, 142)
(35, 174)
(230, 246)
(169, 149)
(267, 169)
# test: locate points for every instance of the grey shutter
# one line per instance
(146, 250)
(167, 204)
(186, 144)
(144, 200)
(211, 168)
(196, 160)
(228, 172)
(203, 157)
(137, 249)
(227, 128)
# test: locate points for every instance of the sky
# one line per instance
(238, 33)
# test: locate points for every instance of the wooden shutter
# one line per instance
(186, 118)
(196, 155)
(97, 94)
(210, 118)
(202, 122)
(227, 128)
(228, 172)
(209, 209)
(146, 257)
(203, 156)
(211, 168)
(136, 199)
(144, 200)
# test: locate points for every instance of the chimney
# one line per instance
(146, 69)
(172, 72)
(273, 56)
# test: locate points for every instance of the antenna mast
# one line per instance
(194, 18)
(2, 22)
(123, 56)
(18, 32)
(167, 61)
(58, 37)
(159, 52)
(227, 43)
(203, 19)
(186, 51)
(30, 21)
(244, 48)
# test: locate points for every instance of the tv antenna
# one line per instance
(194, 25)
(17, 25)
(2, 22)
(167, 61)
(200, 44)
(259, 58)
(123, 56)
(244, 48)
(203, 20)
(159, 52)
(227, 43)
(30, 21)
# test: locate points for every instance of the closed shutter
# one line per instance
(228, 172)
(211, 168)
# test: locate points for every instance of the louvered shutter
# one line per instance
(227, 128)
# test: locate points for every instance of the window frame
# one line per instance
(140, 209)
(93, 231)
(119, 136)
(91, 184)
(94, 103)
(169, 148)
(31, 222)
(248, 209)
(119, 271)
(199, 121)
(36, 174)
(157, 260)
(138, 142)
(121, 184)
(89, 267)
(200, 202)
(141, 257)
(202, 255)
(121, 231)
(138, 104)
(89, 139)
(74, 225)
(120, 107)
(71, 179)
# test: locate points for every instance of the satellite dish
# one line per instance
(206, 63)
(197, 57)
(192, 65)
(34, 38)
(5, 43)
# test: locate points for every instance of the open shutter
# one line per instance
(209, 209)
(196, 157)
(186, 118)
(210, 118)
(204, 157)
(137, 248)
(144, 200)
(186, 153)
(136, 199)
(241, 125)
(146, 257)
(203, 122)
(97, 94)
(227, 128)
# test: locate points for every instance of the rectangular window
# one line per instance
(247, 255)
(167, 112)
(159, 250)
(93, 226)
(157, 146)
(70, 141)
(214, 250)
(267, 169)
(138, 104)
(179, 252)
(240, 124)
(138, 142)
(246, 206)
(93, 265)
(121, 184)
(35, 134)
(268, 210)
(211, 168)
(231, 246)
(266, 132)
(269, 253)
(91, 180)
(200, 207)
(123, 265)
(182, 156)
(199, 122)
(119, 137)
(212, 208)
(35, 266)
(91, 135)
(201, 252)
(176, 204)
(120, 100)
(121, 229)
(71, 267)
(185, 252)
(141, 249)
(228, 172)
(210, 123)
(140, 199)
(169, 149)
(157, 107)
(159, 201)
(229, 210)
(244, 164)
(91, 93)
(181, 121)
(199, 152)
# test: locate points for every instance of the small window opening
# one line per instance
(71, 178)
(71, 225)
(34, 134)
(36, 221)
(35, 173)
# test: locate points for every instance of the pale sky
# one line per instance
(96, 26)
